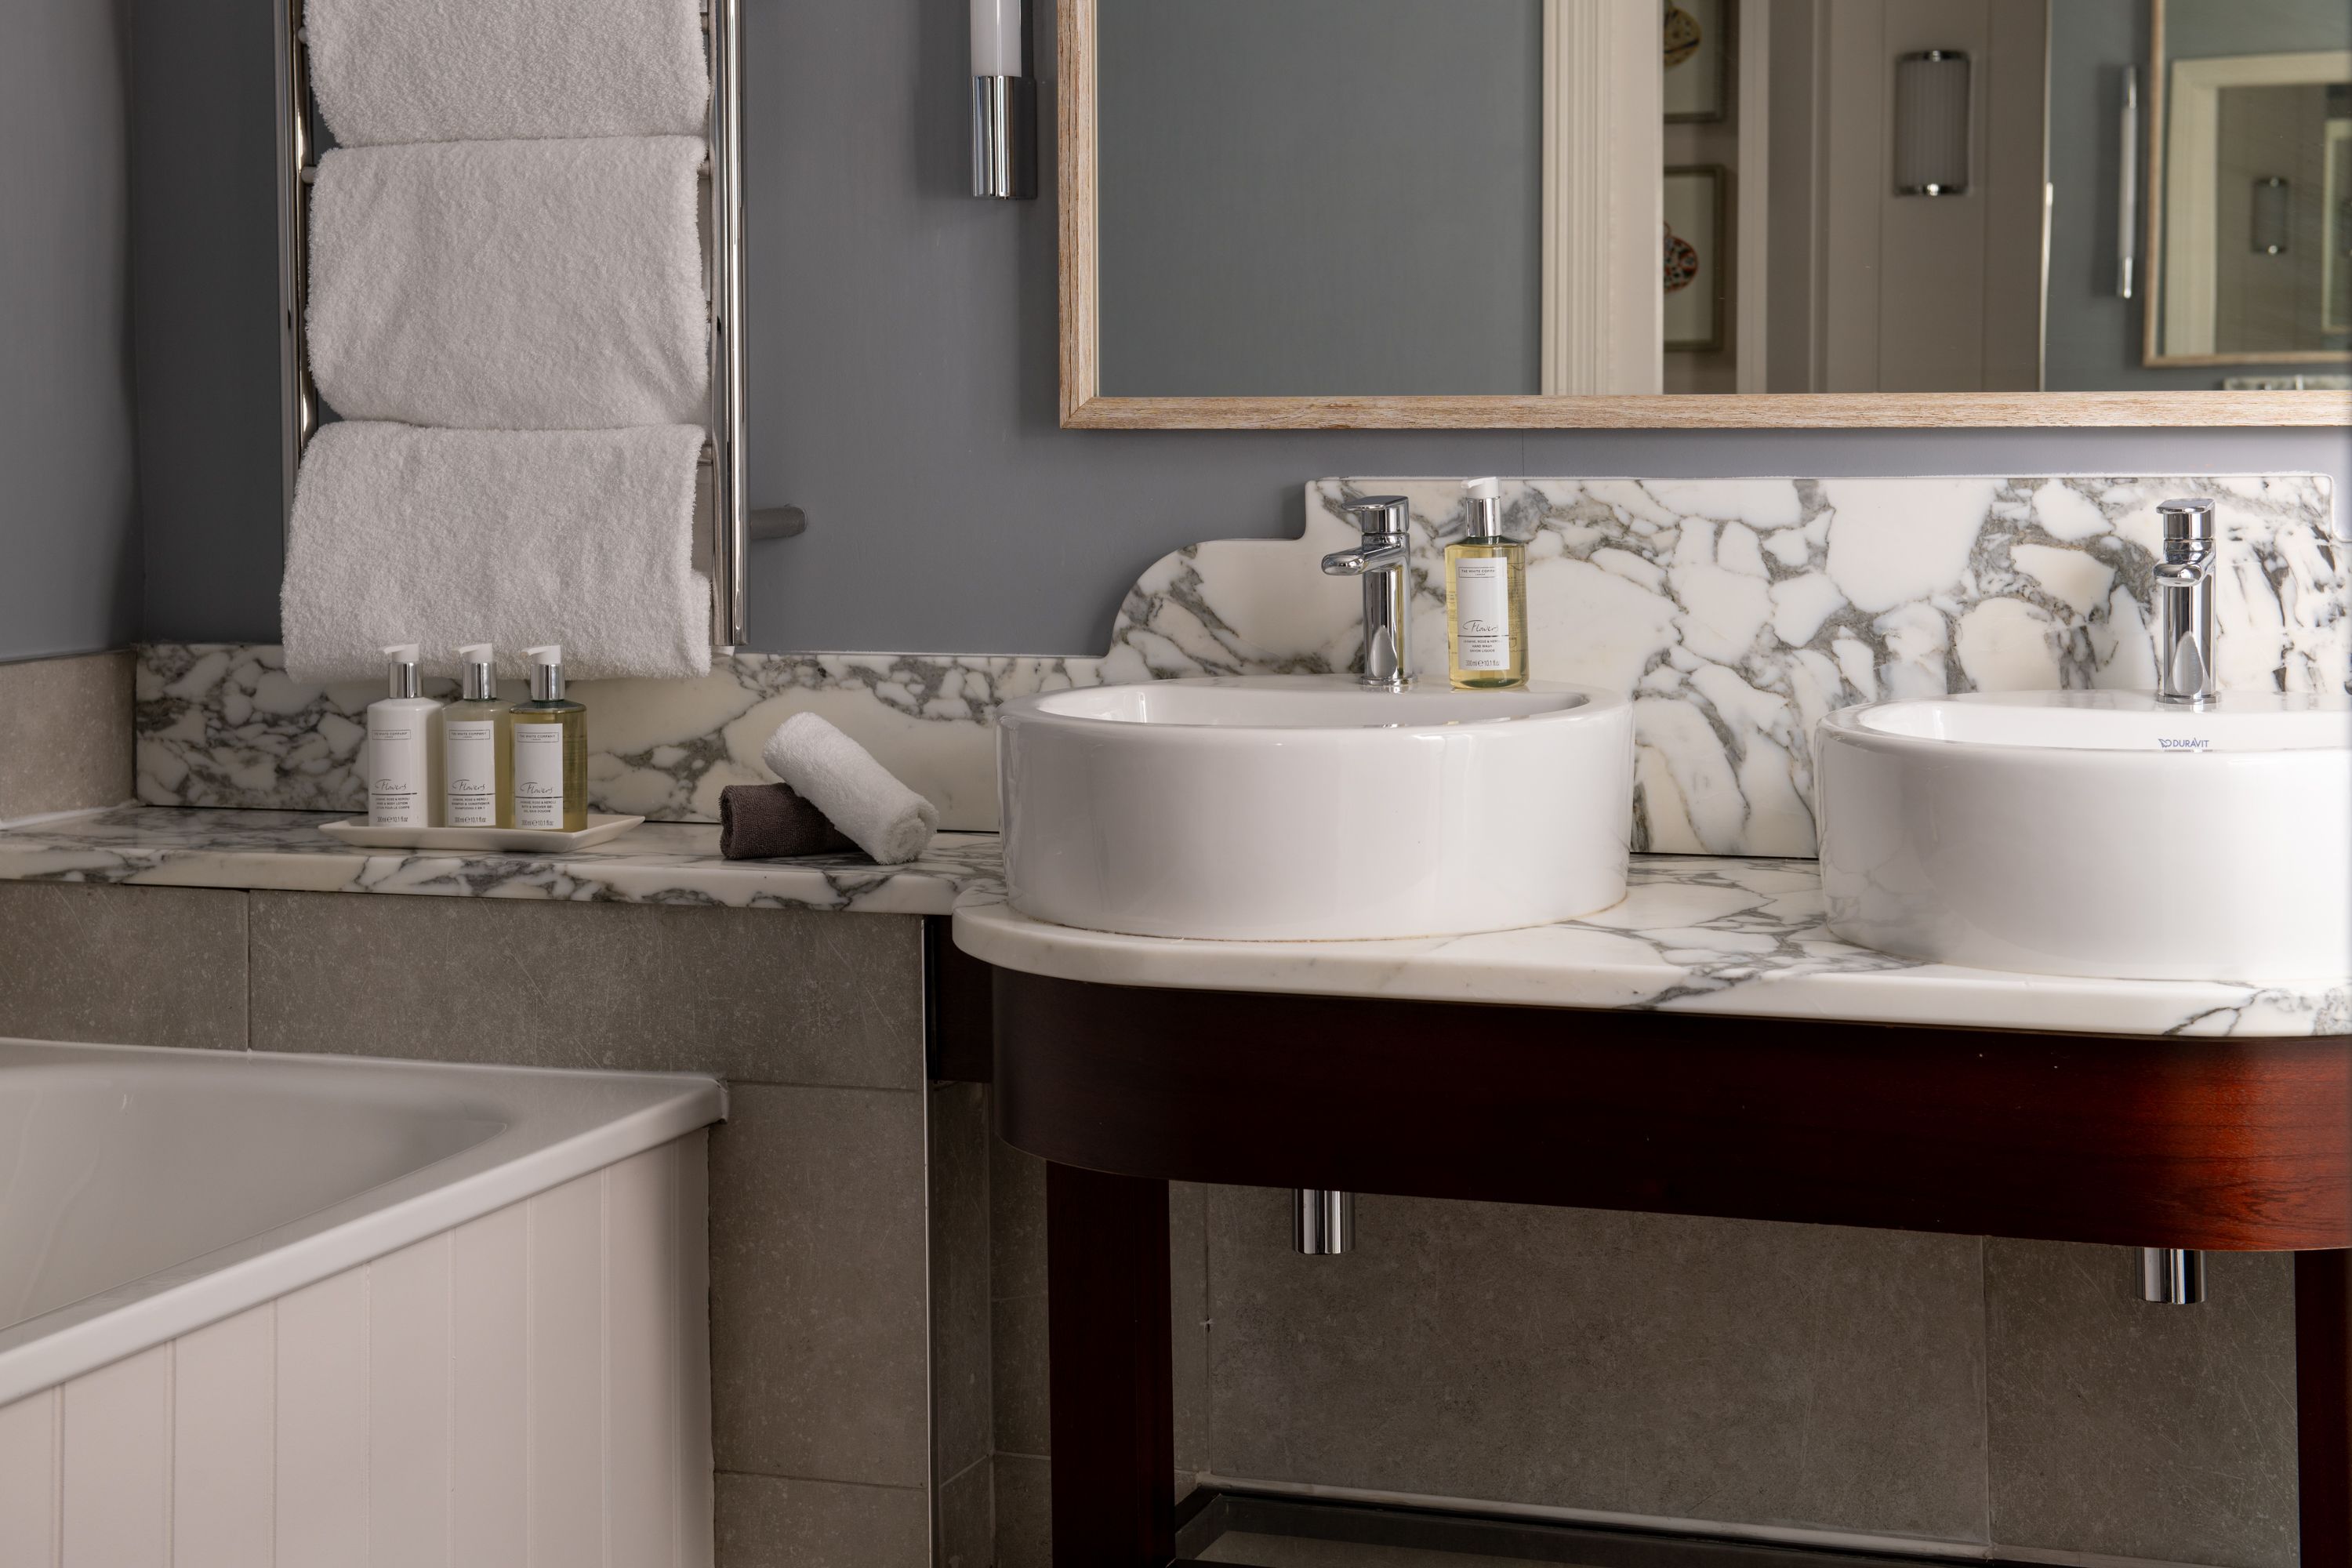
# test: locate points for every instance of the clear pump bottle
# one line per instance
(404, 747)
(476, 750)
(551, 750)
(1487, 598)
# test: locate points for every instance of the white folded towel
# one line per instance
(442, 537)
(856, 793)
(485, 70)
(511, 285)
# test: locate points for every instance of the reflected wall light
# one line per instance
(1003, 103)
(2273, 221)
(1931, 123)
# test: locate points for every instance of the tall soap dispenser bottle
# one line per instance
(477, 756)
(1487, 598)
(403, 749)
(551, 750)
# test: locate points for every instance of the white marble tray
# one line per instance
(601, 826)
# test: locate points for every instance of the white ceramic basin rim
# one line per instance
(1279, 702)
(2111, 722)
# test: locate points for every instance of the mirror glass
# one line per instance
(2254, 258)
(1327, 198)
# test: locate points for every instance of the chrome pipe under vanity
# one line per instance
(2172, 1276)
(2184, 602)
(1384, 560)
(1322, 1222)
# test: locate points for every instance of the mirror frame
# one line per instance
(2152, 354)
(1084, 407)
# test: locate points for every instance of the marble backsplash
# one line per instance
(222, 725)
(1736, 610)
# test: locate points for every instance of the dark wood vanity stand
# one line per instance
(2224, 1144)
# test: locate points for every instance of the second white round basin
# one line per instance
(2100, 833)
(1308, 807)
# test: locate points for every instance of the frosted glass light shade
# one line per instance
(996, 37)
(1931, 123)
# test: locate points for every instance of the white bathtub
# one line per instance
(317, 1310)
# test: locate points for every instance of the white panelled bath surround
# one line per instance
(321, 1310)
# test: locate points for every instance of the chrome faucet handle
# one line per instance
(1383, 559)
(1378, 515)
(2184, 601)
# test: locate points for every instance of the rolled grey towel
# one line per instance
(764, 821)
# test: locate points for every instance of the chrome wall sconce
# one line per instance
(1003, 103)
(2127, 188)
(1931, 123)
(2274, 214)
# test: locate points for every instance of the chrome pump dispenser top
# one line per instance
(1485, 511)
(403, 678)
(546, 673)
(478, 663)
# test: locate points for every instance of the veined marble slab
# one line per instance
(221, 724)
(658, 863)
(1732, 936)
(1736, 612)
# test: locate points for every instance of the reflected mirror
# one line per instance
(1500, 211)
(2254, 237)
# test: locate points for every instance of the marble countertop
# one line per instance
(1721, 935)
(658, 863)
(1696, 934)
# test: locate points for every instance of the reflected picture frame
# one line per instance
(1698, 84)
(1698, 195)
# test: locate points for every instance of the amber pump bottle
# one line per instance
(551, 750)
(1486, 598)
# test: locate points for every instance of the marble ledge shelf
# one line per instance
(1703, 934)
(659, 863)
(1722, 935)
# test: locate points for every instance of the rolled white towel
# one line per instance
(578, 537)
(473, 70)
(511, 285)
(861, 797)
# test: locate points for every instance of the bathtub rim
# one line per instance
(561, 1123)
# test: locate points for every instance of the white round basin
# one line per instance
(2098, 834)
(1306, 807)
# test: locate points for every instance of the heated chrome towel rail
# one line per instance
(732, 524)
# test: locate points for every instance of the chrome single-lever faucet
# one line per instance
(1384, 560)
(2184, 602)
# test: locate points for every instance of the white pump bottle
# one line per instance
(403, 749)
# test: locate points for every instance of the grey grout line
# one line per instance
(825, 1481)
(987, 1459)
(1984, 1403)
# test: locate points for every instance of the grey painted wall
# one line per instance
(1338, 197)
(69, 554)
(903, 368)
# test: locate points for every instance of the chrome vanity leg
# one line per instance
(1322, 1223)
(2171, 1277)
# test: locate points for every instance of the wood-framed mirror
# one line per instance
(1555, 214)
